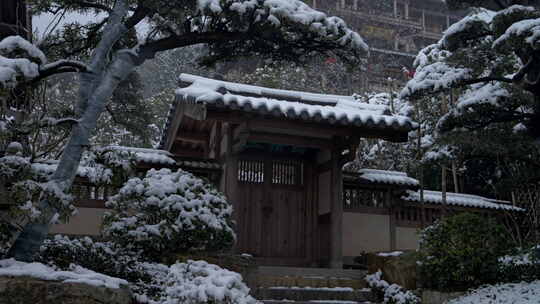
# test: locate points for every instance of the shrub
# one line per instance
(22, 190)
(153, 283)
(107, 258)
(168, 213)
(390, 293)
(525, 266)
(199, 282)
(462, 251)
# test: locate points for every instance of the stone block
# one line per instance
(399, 270)
(437, 297)
(22, 290)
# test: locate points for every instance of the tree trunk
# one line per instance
(455, 176)
(96, 91)
(33, 234)
(443, 190)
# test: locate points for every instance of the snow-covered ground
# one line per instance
(520, 293)
(40, 271)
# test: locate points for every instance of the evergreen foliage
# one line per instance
(167, 213)
(462, 252)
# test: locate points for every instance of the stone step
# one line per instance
(312, 272)
(314, 294)
(313, 302)
(319, 282)
(310, 277)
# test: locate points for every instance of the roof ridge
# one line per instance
(272, 93)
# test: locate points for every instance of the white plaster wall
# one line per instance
(406, 238)
(86, 222)
(365, 233)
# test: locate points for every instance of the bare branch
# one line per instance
(486, 79)
(149, 50)
(60, 67)
(140, 13)
(98, 6)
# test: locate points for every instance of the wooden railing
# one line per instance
(416, 216)
(89, 195)
(405, 214)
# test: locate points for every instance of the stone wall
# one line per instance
(17, 290)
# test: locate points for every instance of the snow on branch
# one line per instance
(11, 70)
(14, 43)
(279, 28)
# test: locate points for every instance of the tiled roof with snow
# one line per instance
(149, 156)
(46, 168)
(459, 199)
(199, 164)
(331, 109)
(388, 177)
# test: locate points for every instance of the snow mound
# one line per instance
(200, 282)
(77, 274)
(522, 293)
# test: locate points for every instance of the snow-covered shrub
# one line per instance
(107, 258)
(22, 190)
(390, 293)
(152, 283)
(122, 163)
(461, 252)
(524, 266)
(169, 212)
(199, 282)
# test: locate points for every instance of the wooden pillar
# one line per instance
(407, 10)
(424, 20)
(355, 5)
(336, 229)
(391, 206)
(395, 9)
(314, 4)
(231, 173)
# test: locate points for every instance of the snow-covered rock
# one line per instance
(77, 274)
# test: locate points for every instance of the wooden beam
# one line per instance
(184, 152)
(291, 140)
(198, 138)
(323, 129)
(324, 167)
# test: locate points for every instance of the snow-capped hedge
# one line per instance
(391, 293)
(169, 212)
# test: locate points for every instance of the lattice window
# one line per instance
(355, 198)
(251, 171)
(288, 172)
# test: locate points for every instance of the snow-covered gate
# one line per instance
(282, 154)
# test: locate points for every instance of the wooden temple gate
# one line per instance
(275, 208)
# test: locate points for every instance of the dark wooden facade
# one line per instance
(14, 19)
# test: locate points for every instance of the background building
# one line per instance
(395, 30)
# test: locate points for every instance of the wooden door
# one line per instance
(274, 210)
